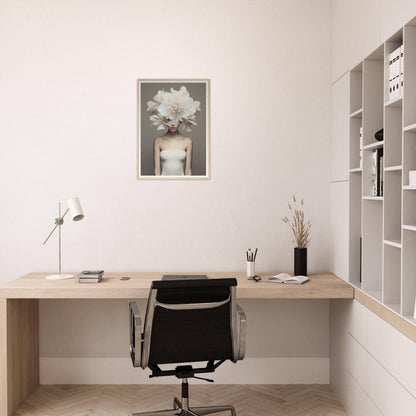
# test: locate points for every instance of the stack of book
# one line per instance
(377, 168)
(90, 276)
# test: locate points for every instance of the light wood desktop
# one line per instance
(19, 314)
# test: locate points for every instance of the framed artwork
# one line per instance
(173, 129)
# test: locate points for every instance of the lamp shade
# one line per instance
(75, 209)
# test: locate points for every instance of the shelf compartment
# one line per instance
(373, 146)
(393, 136)
(409, 208)
(372, 246)
(355, 125)
(356, 89)
(392, 205)
(392, 275)
(373, 95)
(409, 155)
(355, 215)
(390, 46)
(368, 155)
(409, 73)
(408, 290)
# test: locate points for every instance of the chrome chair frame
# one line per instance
(140, 348)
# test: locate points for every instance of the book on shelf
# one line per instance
(374, 173)
(377, 172)
(380, 156)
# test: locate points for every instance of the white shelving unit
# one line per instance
(382, 238)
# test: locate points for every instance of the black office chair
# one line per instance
(188, 321)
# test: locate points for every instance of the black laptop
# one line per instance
(184, 276)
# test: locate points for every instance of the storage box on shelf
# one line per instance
(386, 221)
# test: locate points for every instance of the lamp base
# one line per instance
(59, 276)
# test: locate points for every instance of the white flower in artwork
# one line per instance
(157, 121)
(152, 106)
(159, 96)
(176, 105)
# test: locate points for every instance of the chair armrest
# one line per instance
(241, 330)
(135, 329)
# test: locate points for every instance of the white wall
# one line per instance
(360, 26)
(68, 127)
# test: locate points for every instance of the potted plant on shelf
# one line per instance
(301, 231)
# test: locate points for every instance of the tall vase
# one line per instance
(301, 261)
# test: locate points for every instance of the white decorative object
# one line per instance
(251, 269)
(401, 70)
(394, 74)
(75, 210)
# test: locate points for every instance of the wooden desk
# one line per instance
(19, 315)
(35, 286)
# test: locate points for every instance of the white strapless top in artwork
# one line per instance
(173, 162)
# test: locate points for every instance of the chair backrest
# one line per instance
(190, 320)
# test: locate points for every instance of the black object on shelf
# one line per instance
(301, 260)
(379, 136)
(380, 168)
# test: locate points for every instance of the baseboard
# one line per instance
(249, 371)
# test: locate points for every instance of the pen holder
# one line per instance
(251, 269)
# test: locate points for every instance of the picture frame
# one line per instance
(173, 129)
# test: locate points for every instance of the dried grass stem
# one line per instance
(300, 227)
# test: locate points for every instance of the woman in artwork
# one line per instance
(173, 111)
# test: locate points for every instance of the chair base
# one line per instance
(180, 410)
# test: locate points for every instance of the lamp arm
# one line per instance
(58, 222)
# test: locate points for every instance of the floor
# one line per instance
(120, 400)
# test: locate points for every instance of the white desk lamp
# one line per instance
(75, 210)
